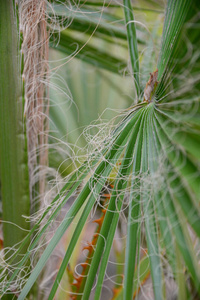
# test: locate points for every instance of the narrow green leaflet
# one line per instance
(132, 42)
(133, 215)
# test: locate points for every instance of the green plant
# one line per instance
(149, 165)
(13, 149)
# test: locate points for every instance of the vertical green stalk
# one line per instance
(13, 148)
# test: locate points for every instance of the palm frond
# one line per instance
(152, 159)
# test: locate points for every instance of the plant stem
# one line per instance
(13, 148)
